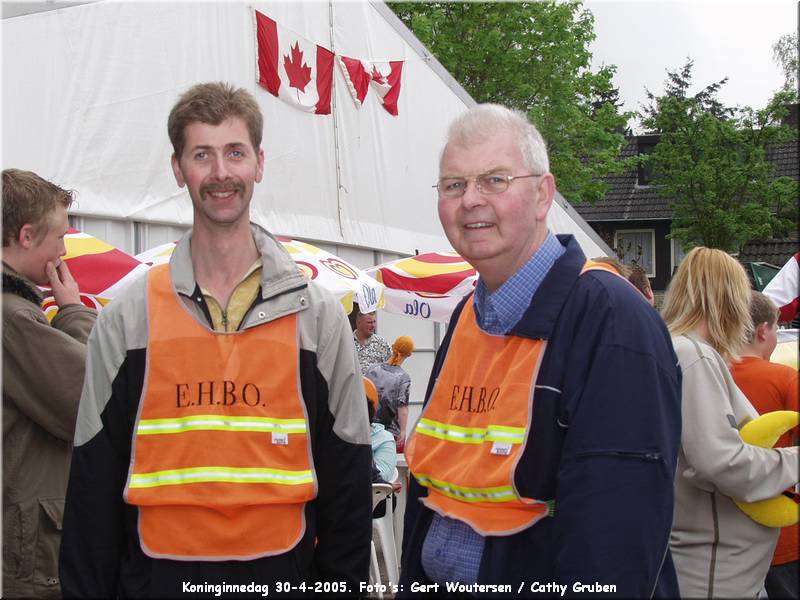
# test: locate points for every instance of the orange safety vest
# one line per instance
(471, 435)
(221, 463)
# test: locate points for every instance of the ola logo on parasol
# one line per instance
(339, 267)
(308, 269)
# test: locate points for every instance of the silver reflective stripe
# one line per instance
(470, 435)
(466, 494)
(219, 475)
(220, 423)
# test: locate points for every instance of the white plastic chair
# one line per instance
(385, 527)
(380, 492)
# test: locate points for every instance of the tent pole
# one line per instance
(335, 129)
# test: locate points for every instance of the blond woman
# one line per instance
(718, 550)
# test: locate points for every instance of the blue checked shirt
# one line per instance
(452, 549)
(498, 312)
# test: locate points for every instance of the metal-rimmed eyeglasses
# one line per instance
(486, 183)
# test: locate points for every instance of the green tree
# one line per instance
(533, 56)
(785, 55)
(711, 163)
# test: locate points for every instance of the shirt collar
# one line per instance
(499, 311)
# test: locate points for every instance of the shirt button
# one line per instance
(302, 301)
(262, 314)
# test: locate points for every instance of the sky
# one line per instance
(734, 39)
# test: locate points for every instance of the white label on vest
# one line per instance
(280, 439)
(502, 448)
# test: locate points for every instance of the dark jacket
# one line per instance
(42, 378)
(101, 555)
(603, 442)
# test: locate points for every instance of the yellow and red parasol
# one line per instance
(100, 270)
(426, 286)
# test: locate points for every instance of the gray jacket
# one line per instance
(101, 554)
(42, 377)
(718, 550)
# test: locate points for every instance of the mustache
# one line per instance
(225, 186)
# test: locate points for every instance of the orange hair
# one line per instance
(371, 391)
(402, 347)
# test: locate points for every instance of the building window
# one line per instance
(75, 222)
(676, 252)
(645, 145)
(637, 246)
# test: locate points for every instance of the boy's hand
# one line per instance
(65, 288)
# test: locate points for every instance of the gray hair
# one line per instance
(484, 120)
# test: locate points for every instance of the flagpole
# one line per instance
(335, 128)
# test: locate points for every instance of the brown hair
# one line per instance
(762, 310)
(29, 199)
(638, 277)
(615, 264)
(710, 286)
(213, 103)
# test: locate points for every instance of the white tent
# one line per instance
(87, 87)
(87, 90)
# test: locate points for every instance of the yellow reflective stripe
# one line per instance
(501, 433)
(220, 423)
(503, 493)
(471, 435)
(220, 475)
(453, 433)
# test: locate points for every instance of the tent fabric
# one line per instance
(88, 88)
(786, 350)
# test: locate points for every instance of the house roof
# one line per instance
(786, 158)
(626, 200)
(774, 252)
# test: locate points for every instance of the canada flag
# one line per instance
(784, 289)
(382, 77)
(292, 68)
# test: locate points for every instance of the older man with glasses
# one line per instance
(545, 453)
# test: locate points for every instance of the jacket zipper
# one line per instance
(647, 456)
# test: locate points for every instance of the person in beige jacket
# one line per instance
(719, 552)
(43, 367)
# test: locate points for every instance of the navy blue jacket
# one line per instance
(603, 443)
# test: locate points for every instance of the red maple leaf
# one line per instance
(377, 75)
(299, 76)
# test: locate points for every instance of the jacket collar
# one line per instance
(279, 273)
(14, 283)
(540, 317)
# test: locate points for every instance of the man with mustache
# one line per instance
(545, 453)
(223, 441)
